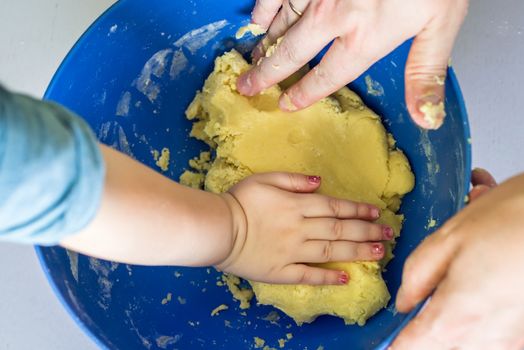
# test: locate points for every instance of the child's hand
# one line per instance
(280, 225)
(475, 266)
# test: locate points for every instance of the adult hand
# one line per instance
(475, 266)
(280, 225)
(362, 31)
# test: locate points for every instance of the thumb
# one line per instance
(292, 182)
(425, 268)
(426, 67)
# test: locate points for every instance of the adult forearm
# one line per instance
(145, 218)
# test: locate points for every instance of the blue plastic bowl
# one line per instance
(105, 78)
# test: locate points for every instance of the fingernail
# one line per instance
(343, 277)
(388, 232)
(377, 248)
(375, 213)
(432, 108)
(314, 180)
(286, 104)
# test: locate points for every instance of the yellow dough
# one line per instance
(338, 138)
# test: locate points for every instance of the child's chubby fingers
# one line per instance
(304, 274)
(320, 206)
(291, 182)
(345, 230)
(338, 251)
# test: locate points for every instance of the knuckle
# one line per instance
(289, 53)
(335, 206)
(305, 276)
(426, 73)
(293, 182)
(325, 77)
(298, 96)
(337, 230)
(361, 47)
(258, 80)
(327, 251)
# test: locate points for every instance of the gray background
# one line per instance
(35, 35)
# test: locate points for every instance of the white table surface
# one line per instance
(35, 35)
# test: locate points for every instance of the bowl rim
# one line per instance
(386, 342)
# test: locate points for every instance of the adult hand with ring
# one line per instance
(361, 33)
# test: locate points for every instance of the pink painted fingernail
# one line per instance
(343, 277)
(377, 248)
(375, 213)
(388, 232)
(314, 180)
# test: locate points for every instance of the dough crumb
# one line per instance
(434, 114)
(253, 28)
(282, 343)
(273, 48)
(272, 317)
(244, 295)
(440, 80)
(289, 336)
(259, 342)
(162, 160)
(167, 299)
(195, 179)
(373, 87)
(218, 309)
(431, 223)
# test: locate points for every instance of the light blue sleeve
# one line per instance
(51, 171)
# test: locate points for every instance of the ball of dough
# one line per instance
(338, 138)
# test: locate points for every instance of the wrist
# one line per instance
(236, 233)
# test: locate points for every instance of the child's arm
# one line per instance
(263, 229)
(53, 189)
